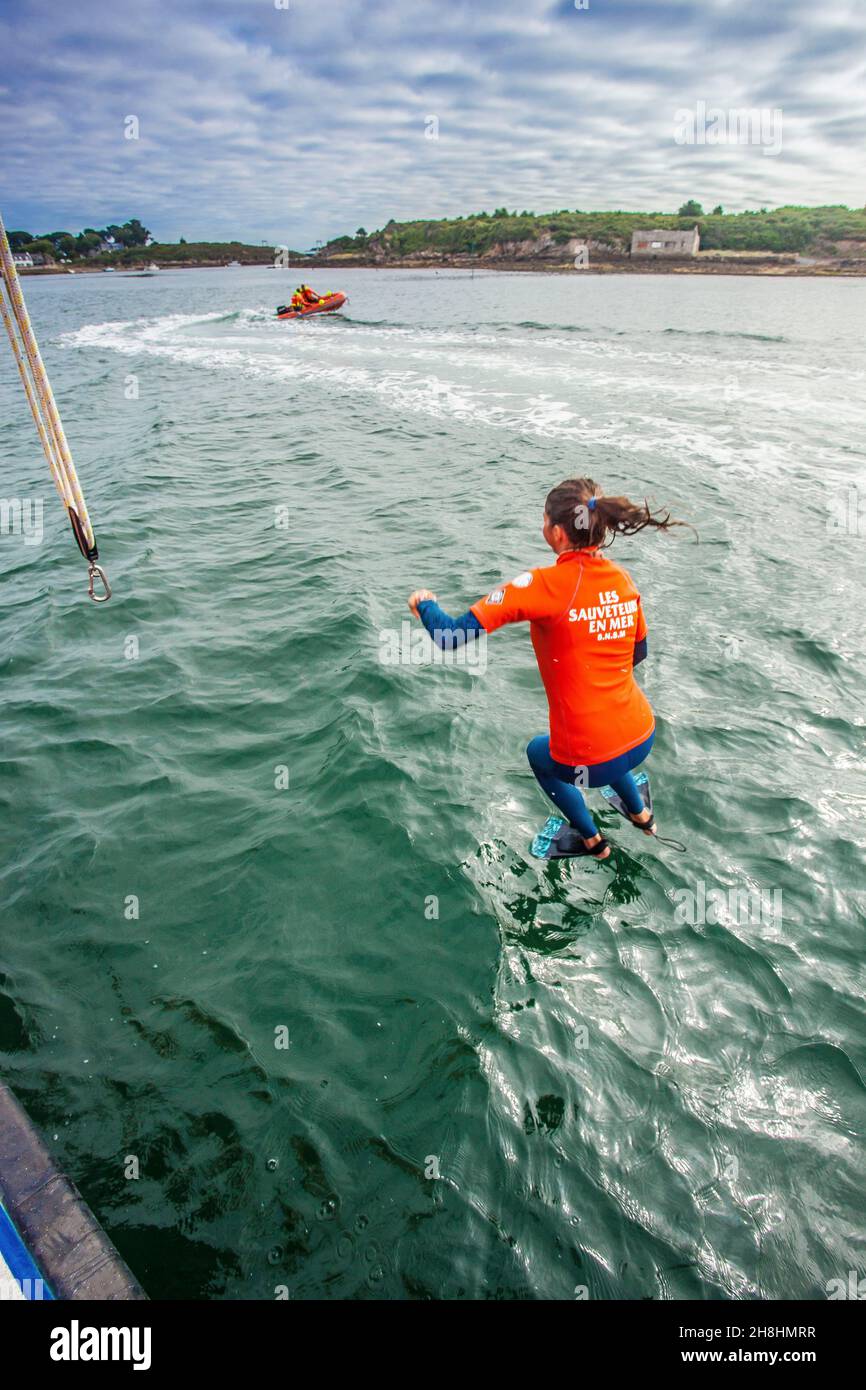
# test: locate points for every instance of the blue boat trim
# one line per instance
(21, 1265)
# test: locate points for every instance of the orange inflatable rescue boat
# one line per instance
(326, 305)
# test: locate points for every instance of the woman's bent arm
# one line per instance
(448, 632)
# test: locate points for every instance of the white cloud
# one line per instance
(292, 124)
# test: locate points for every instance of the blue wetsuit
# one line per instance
(558, 780)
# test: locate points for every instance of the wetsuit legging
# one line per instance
(559, 780)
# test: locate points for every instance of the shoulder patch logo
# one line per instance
(523, 580)
(497, 596)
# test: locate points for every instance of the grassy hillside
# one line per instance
(799, 229)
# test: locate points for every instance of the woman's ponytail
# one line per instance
(591, 519)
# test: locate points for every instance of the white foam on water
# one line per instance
(542, 386)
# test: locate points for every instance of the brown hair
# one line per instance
(588, 518)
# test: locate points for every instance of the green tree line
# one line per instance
(86, 245)
(790, 228)
(71, 246)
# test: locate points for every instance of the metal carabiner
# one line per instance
(97, 572)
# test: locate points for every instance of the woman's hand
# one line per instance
(418, 597)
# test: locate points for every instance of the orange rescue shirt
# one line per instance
(585, 616)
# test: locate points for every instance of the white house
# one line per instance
(22, 258)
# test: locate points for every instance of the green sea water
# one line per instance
(272, 938)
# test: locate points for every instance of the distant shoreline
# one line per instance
(718, 265)
(787, 241)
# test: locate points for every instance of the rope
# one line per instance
(43, 407)
(674, 844)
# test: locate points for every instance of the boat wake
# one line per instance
(569, 385)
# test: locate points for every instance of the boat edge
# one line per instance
(75, 1256)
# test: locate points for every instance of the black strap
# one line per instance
(89, 552)
(571, 846)
(648, 825)
(597, 850)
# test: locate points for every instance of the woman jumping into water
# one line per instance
(589, 632)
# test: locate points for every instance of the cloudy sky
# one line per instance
(291, 120)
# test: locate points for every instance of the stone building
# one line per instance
(658, 242)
